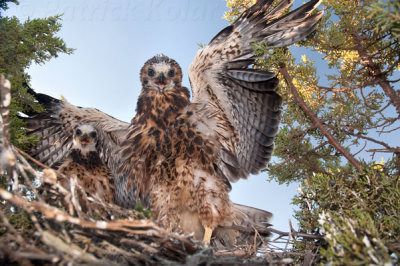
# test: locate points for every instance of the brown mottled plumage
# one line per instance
(177, 156)
(84, 163)
(182, 162)
(170, 159)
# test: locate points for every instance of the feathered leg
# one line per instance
(214, 205)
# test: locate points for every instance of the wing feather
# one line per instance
(55, 127)
(250, 75)
(241, 101)
(288, 36)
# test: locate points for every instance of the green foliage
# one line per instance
(387, 15)
(353, 241)
(19, 219)
(357, 214)
(21, 44)
(147, 213)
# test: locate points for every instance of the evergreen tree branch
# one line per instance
(309, 165)
(317, 122)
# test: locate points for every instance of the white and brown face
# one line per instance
(85, 138)
(161, 73)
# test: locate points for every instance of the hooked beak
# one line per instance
(161, 82)
(85, 139)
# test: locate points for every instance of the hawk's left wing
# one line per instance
(239, 104)
(55, 127)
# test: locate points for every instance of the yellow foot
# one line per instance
(169, 229)
(207, 235)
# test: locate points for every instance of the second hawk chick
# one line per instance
(84, 163)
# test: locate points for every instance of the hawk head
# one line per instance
(85, 138)
(161, 73)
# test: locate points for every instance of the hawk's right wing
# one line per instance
(55, 127)
(237, 102)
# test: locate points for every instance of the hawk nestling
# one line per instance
(84, 162)
(183, 156)
(177, 156)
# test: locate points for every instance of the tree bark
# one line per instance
(391, 93)
(317, 122)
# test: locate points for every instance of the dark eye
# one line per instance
(93, 134)
(171, 73)
(78, 132)
(150, 72)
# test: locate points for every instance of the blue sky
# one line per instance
(113, 39)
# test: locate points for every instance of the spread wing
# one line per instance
(241, 102)
(55, 127)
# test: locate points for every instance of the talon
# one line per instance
(207, 235)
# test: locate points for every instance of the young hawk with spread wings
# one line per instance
(84, 162)
(179, 157)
